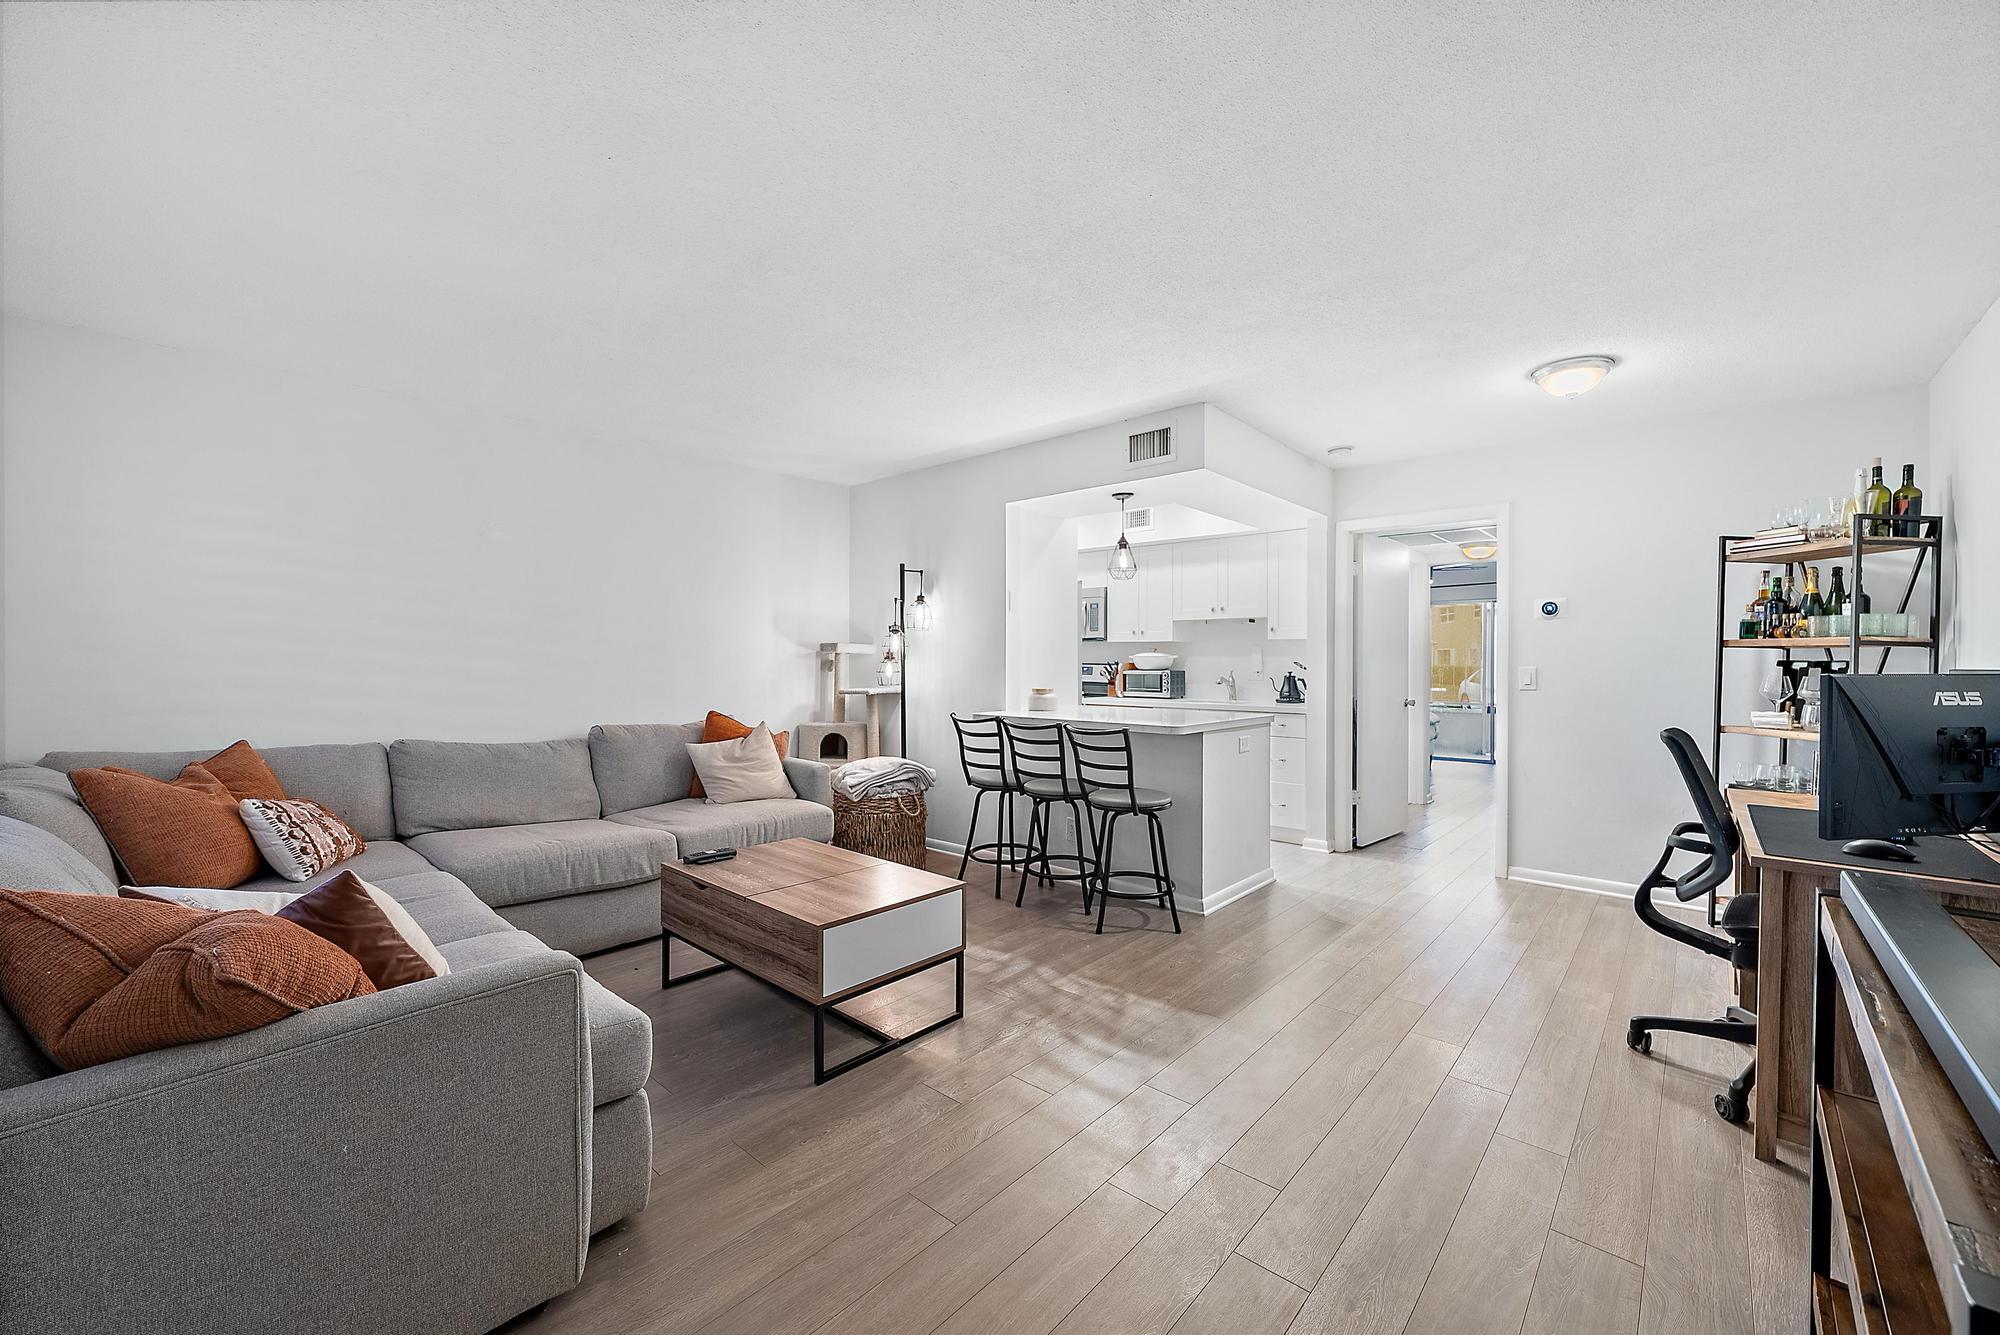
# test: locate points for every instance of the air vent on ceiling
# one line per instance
(1138, 519)
(1150, 446)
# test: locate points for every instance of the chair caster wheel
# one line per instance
(1730, 1111)
(1640, 1041)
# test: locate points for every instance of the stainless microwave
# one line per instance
(1164, 683)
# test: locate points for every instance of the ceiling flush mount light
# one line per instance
(1478, 551)
(1123, 564)
(1572, 375)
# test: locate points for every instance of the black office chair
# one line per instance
(1715, 840)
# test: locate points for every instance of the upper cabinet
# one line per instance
(1217, 579)
(1287, 585)
(1140, 608)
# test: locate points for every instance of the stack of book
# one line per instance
(1770, 718)
(1789, 535)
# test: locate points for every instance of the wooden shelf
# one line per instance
(1894, 1287)
(1825, 550)
(1788, 734)
(1831, 642)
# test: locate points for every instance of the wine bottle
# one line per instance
(1778, 613)
(1836, 601)
(1907, 501)
(1814, 605)
(1877, 500)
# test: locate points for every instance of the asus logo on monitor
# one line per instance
(1957, 698)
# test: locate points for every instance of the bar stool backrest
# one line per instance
(980, 752)
(1103, 758)
(1036, 750)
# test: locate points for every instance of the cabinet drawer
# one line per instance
(1288, 725)
(1288, 806)
(1288, 759)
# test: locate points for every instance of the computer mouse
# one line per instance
(1879, 848)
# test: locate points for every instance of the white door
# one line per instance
(1197, 581)
(1382, 703)
(1243, 577)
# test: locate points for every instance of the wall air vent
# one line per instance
(1139, 519)
(1150, 446)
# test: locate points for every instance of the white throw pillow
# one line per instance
(745, 770)
(300, 839)
(219, 901)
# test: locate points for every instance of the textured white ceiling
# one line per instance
(845, 239)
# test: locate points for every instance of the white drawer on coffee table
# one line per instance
(858, 952)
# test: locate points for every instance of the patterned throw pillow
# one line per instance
(299, 837)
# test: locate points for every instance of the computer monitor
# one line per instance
(1902, 755)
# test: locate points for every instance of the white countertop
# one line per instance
(1173, 721)
(1226, 706)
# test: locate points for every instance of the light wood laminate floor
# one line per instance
(1389, 1094)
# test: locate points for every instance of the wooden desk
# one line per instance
(1905, 1187)
(1788, 891)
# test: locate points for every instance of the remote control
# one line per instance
(711, 855)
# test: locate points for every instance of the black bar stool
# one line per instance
(1040, 763)
(1104, 768)
(981, 755)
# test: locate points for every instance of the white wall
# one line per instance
(198, 549)
(1965, 466)
(1624, 527)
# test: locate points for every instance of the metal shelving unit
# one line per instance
(1870, 536)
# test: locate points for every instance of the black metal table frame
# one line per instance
(884, 1042)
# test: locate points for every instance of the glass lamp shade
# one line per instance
(918, 615)
(1123, 564)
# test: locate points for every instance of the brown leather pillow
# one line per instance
(244, 773)
(188, 832)
(94, 978)
(343, 912)
(722, 728)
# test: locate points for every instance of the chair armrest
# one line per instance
(417, 1159)
(810, 779)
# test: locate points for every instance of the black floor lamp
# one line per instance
(913, 615)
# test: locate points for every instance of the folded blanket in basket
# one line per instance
(882, 776)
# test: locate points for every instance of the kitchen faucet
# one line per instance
(1228, 679)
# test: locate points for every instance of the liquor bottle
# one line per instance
(1907, 501)
(1877, 500)
(1836, 602)
(1777, 616)
(1759, 603)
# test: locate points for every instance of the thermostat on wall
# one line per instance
(1552, 607)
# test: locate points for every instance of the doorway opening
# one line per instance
(1420, 650)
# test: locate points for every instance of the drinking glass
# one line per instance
(1817, 525)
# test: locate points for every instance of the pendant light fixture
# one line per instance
(1123, 565)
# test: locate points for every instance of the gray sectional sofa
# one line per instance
(434, 1157)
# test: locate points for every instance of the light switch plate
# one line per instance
(1242, 745)
(1528, 679)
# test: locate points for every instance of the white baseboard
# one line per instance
(940, 846)
(1227, 895)
(1316, 845)
(1562, 880)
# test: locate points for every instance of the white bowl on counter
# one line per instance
(1153, 662)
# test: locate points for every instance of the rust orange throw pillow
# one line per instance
(94, 978)
(188, 832)
(245, 774)
(722, 728)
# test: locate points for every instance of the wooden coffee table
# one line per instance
(822, 923)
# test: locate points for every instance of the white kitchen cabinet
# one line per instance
(1221, 579)
(1245, 586)
(1286, 580)
(1197, 581)
(1141, 609)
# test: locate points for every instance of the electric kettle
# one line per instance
(1293, 690)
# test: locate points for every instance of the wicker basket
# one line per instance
(891, 828)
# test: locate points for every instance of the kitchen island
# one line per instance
(1216, 764)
